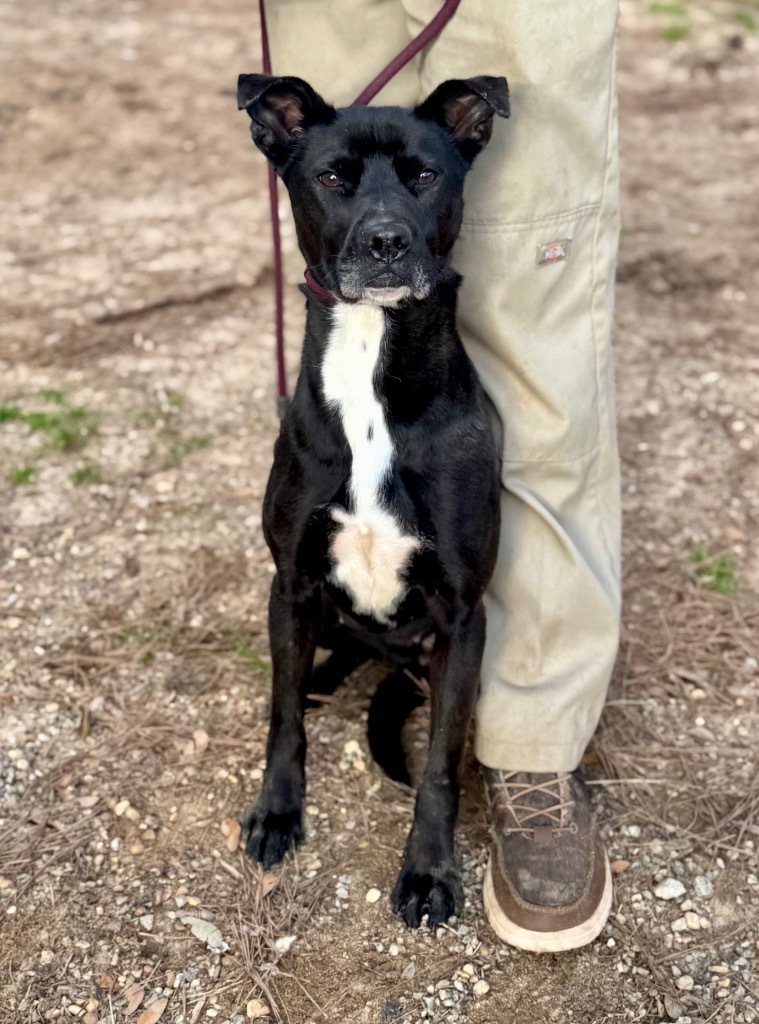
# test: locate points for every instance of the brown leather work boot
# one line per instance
(548, 883)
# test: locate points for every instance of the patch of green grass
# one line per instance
(52, 395)
(713, 572)
(22, 475)
(249, 657)
(196, 442)
(677, 29)
(175, 399)
(89, 473)
(67, 430)
(745, 20)
(673, 10)
(140, 636)
(145, 416)
(68, 427)
(675, 33)
(180, 446)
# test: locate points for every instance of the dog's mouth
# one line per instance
(386, 280)
(386, 296)
(385, 290)
(383, 286)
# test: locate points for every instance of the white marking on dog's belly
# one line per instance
(370, 551)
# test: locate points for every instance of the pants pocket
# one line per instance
(533, 310)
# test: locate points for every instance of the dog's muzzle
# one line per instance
(383, 265)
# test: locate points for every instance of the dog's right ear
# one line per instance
(281, 110)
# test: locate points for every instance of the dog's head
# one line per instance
(376, 191)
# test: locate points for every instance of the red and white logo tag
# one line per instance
(554, 252)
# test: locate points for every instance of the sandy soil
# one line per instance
(137, 416)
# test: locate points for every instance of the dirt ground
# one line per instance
(136, 418)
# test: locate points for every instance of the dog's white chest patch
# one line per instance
(369, 551)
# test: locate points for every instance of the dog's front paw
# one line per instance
(437, 893)
(268, 836)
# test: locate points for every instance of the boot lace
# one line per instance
(552, 810)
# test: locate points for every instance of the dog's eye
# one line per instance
(426, 177)
(330, 180)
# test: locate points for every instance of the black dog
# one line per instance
(381, 511)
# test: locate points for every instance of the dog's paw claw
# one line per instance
(268, 836)
(435, 894)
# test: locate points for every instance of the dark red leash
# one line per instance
(428, 33)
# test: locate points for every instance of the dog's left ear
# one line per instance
(466, 107)
(281, 110)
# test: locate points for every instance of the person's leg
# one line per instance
(540, 338)
(340, 46)
(537, 254)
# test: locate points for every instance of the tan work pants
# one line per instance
(538, 333)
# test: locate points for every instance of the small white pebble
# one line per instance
(256, 1008)
(669, 889)
(480, 988)
(703, 887)
(373, 895)
(685, 984)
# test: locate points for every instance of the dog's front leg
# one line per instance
(429, 882)
(275, 824)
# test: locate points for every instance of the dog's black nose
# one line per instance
(388, 243)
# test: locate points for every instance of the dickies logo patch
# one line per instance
(554, 252)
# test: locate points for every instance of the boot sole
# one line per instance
(546, 942)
